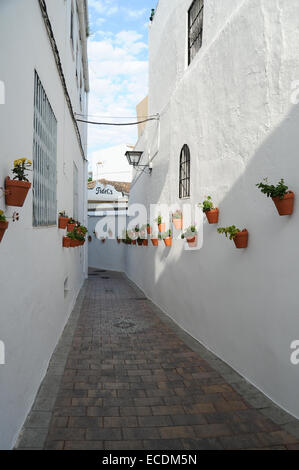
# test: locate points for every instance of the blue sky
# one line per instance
(118, 57)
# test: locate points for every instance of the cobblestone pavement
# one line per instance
(125, 377)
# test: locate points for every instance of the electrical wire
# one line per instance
(115, 117)
(117, 124)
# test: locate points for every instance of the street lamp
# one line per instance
(134, 157)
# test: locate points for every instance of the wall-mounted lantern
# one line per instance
(134, 157)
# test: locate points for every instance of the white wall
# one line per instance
(114, 167)
(34, 265)
(232, 107)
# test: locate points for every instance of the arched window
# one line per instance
(185, 172)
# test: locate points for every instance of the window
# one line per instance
(185, 172)
(195, 28)
(44, 159)
(75, 192)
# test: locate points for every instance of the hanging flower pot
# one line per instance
(285, 206)
(148, 229)
(190, 235)
(213, 216)
(16, 192)
(66, 242)
(161, 228)
(233, 233)
(133, 242)
(155, 241)
(74, 243)
(241, 239)
(282, 198)
(140, 242)
(103, 240)
(71, 225)
(63, 220)
(167, 238)
(118, 240)
(3, 225)
(211, 212)
(177, 220)
(145, 242)
(192, 241)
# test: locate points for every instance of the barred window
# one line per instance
(195, 28)
(184, 182)
(44, 159)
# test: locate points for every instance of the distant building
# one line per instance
(110, 164)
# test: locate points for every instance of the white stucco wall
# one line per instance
(232, 107)
(34, 266)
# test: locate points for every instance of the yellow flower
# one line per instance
(29, 162)
(23, 160)
(1, 212)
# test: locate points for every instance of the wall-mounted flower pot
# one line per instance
(118, 240)
(161, 228)
(3, 228)
(212, 216)
(103, 240)
(241, 239)
(134, 242)
(89, 238)
(285, 206)
(178, 223)
(66, 242)
(16, 192)
(149, 230)
(70, 227)
(155, 241)
(74, 243)
(139, 242)
(62, 222)
(168, 241)
(192, 241)
(145, 242)
(81, 242)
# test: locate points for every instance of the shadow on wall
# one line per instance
(242, 304)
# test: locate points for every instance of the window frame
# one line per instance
(200, 35)
(185, 173)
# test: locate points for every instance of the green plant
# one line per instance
(2, 217)
(63, 214)
(207, 204)
(83, 229)
(177, 214)
(71, 221)
(272, 191)
(159, 220)
(189, 232)
(230, 232)
(167, 234)
(20, 166)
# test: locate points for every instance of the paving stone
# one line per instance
(125, 377)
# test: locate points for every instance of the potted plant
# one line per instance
(62, 220)
(211, 212)
(72, 236)
(167, 237)
(3, 225)
(161, 224)
(190, 235)
(155, 241)
(148, 229)
(16, 190)
(282, 198)
(240, 237)
(139, 241)
(145, 242)
(71, 224)
(177, 219)
(66, 242)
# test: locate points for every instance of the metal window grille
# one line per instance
(75, 192)
(195, 28)
(44, 159)
(185, 172)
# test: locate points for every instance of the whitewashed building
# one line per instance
(223, 76)
(44, 72)
(109, 164)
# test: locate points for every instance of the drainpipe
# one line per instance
(83, 21)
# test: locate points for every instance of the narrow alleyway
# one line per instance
(125, 377)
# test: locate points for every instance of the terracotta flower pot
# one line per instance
(3, 227)
(145, 242)
(118, 240)
(285, 206)
(70, 227)
(213, 216)
(139, 242)
(155, 241)
(16, 192)
(134, 242)
(103, 240)
(62, 222)
(149, 230)
(161, 228)
(74, 243)
(192, 241)
(66, 242)
(178, 223)
(168, 241)
(81, 242)
(241, 239)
